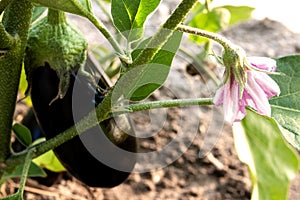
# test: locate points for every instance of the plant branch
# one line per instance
(106, 34)
(7, 41)
(227, 44)
(163, 34)
(162, 104)
(16, 22)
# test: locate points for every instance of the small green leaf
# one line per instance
(272, 162)
(23, 86)
(142, 81)
(23, 134)
(34, 171)
(49, 161)
(239, 13)
(286, 107)
(79, 7)
(213, 21)
(129, 16)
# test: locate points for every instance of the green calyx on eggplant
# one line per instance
(55, 41)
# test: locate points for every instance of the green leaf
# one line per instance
(79, 7)
(271, 161)
(37, 12)
(23, 134)
(23, 86)
(142, 81)
(49, 161)
(239, 13)
(286, 107)
(213, 21)
(34, 171)
(129, 16)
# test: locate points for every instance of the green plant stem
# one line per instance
(16, 22)
(55, 17)
(89, 121)
(227, 44)
(106, 34)
(7, 41)
(162, 104)
(166, 31)
(25, 172)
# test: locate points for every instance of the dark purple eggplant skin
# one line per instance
(73, 154)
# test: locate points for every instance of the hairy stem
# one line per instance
(16, 22)
(227, 44)
(162, 104)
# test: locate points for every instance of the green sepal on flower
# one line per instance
(233, 60)
(55, 41)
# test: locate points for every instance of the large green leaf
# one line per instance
(272, 162)
(286, 107)
(129, 16)
(142, 81)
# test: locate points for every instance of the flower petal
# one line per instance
(231, 101)
(219, 96)
(257, 98)
(268, 85)
(263, 63)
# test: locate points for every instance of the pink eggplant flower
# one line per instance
(257, 88)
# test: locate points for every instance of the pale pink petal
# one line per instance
(258, 99)
(231, 99)
(219, 96)
(263, 63)
(268, 85)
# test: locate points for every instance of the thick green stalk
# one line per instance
(166, 31)
(16, 21)
(55, 17)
